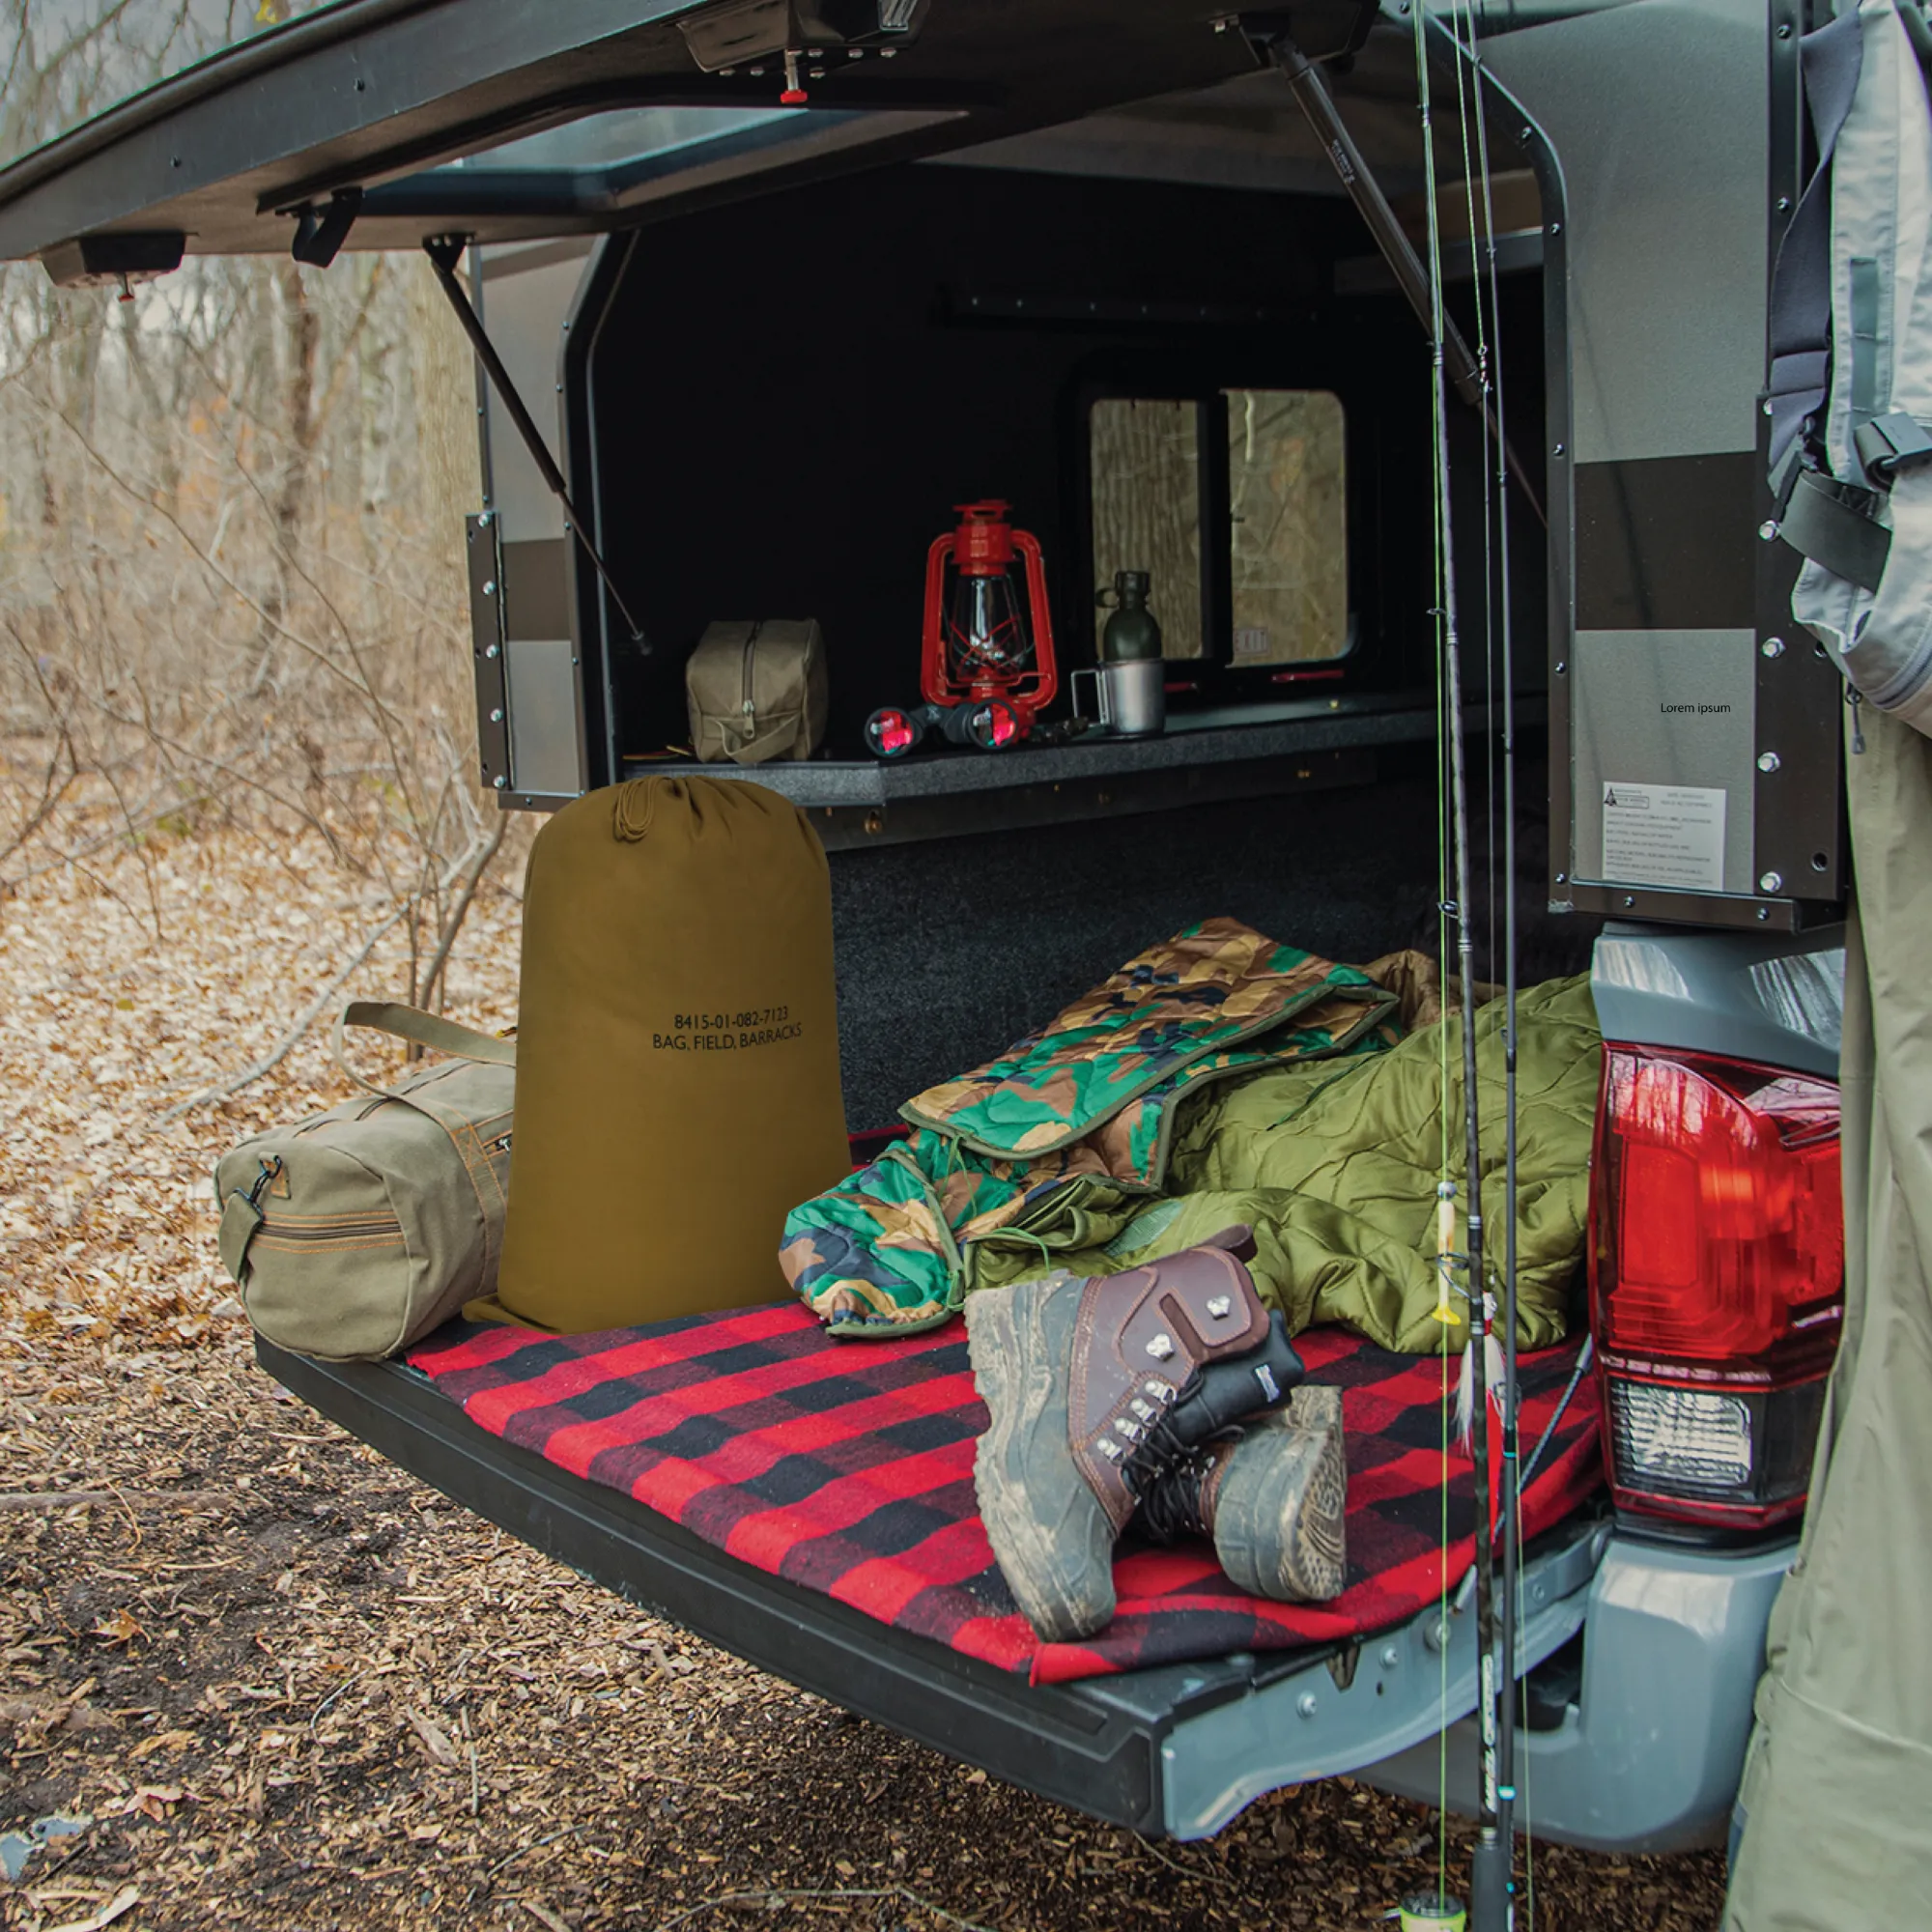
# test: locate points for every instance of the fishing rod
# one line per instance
(1511, 1525)
(1492, 1858)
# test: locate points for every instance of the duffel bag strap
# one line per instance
(412, 1023)
(762, 740)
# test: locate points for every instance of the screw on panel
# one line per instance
(1305, 1704)
(1557, 451)
(1768, 530)
(1629, 899)
(496, 716)
(1391, 1657)
(1784, 30)
(491, 651)
(1783, 208)
(1768, 761)
(500, 782)
(1773, 648)
(1772, 882)
(1562, 666)
(1563, 878)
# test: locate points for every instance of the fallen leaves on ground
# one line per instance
(293, 1687)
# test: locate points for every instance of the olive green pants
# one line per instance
(1836, 1802)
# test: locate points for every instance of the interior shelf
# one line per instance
(1203, 757)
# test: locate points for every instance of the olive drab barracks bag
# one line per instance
(754, 692)
(1850, 395)
(678, 1055)
(354, 1232)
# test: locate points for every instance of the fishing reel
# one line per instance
(984, 725)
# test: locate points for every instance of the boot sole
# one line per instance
(1281, 1520)
(1059, 1566)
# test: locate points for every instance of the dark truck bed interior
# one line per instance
(948, 950)
(1175, 1751)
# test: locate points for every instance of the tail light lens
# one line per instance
(1716, 1279)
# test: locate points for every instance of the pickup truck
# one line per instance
(800, 275)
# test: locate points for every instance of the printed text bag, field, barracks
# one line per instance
(356, 1233)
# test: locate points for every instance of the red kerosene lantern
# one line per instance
(981, 641)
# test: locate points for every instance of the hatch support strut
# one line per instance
(445, 252)
(1312, 98)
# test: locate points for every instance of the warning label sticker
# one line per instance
(1664, 836)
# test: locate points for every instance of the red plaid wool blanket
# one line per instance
(847, 1467)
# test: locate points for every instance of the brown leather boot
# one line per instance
(1274, 1499)
(1080, 1375)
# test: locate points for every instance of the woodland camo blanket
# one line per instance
(1222, 1077)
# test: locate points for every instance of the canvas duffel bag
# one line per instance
(677, 1064)
(756, 691)
(354, 1232)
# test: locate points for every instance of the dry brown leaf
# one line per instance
(123, 1902)
(435, 1739)
(119, 1627)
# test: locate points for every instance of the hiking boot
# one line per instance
(1081, 1377)
(1272, 1499)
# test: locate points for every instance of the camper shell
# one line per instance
(770, 347)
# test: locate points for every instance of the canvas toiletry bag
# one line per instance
(352, 1234)
(756, 691)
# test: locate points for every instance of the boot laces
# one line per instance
(1170, 1501)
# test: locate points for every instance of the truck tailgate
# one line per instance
(1177, 1750)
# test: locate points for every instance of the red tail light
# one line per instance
(1716, 1275)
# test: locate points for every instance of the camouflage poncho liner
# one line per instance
(1221, 1077)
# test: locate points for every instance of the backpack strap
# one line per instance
(1831, 58)
(412, 1023)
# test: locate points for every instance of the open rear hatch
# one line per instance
(416, 116)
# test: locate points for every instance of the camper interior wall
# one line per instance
(791, 394)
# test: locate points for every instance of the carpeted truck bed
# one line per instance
(847, 1467)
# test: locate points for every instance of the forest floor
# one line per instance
(270, 1681)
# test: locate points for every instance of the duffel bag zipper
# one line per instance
(750, 705)
(333, 1231)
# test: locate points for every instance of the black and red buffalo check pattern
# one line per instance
(847, 1467)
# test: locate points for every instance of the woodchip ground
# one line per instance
(287, 1686)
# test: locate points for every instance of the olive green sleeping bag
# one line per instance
(678, 1055)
